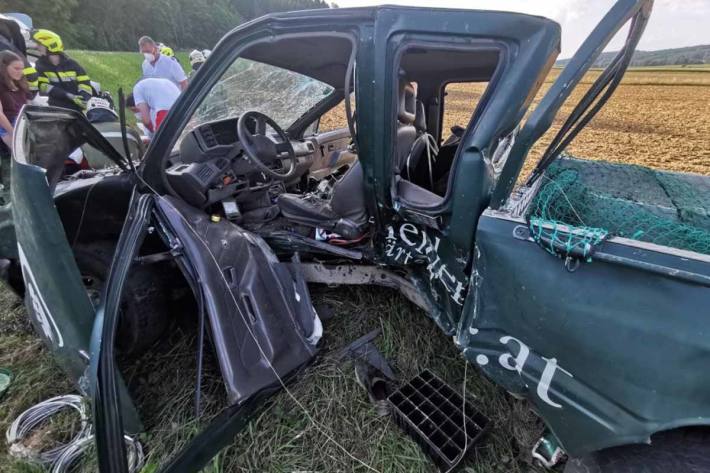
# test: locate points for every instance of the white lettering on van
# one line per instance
(516, 360)
(405, 244)
(42, 314)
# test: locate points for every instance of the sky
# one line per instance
(673, 23)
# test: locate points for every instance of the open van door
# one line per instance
(601, 335)
(57, 301)
(430, 232)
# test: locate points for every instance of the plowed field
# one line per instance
(656, 118)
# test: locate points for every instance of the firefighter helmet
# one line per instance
(49, 39)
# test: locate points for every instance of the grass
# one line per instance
(114, 69)
(36, 376)
(289, 435)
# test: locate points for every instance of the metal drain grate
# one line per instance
(430, 411)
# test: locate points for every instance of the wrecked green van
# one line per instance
(576, 290)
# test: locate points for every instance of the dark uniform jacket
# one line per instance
(64, 82)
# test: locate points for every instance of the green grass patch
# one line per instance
(296, 431)
(36, 376)
(114, 69)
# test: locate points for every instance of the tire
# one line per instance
(143, 318)
(677, 451)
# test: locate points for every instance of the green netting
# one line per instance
(596, 198)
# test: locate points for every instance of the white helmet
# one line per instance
(97, 102)
(196, 56)
(99, 110)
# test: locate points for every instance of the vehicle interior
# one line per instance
(425, 149)
(252, 152)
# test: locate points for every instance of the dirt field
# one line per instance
(657, 117)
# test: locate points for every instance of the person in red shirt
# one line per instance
(14, 93)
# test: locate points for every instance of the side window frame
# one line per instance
(463, 44)
(474, 111)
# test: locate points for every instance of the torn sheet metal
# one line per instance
(260, 313)
(363, 349)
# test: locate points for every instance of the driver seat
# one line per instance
(345, 212)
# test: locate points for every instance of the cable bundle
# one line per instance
(62, 458)
(35, 415)
(76, 450)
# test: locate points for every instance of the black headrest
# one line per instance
(420, 117)
(407, 103)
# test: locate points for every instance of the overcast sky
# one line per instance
(673, 24)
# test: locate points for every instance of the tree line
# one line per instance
(117, 24)
(663, 57)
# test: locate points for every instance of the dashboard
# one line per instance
(212, 166)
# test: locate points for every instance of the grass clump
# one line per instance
(293, 432)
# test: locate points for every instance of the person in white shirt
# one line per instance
(151, 100)
(159, 65)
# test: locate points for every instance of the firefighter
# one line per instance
(167, 51)
(197, 59)
(60, 77)
(32, 78)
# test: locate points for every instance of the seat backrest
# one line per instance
(348, 197)
(420, 118)
(406, 115)
(417, 147)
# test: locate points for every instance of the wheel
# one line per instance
(677, 451)
(143, 317)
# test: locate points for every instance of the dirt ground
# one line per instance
(657, 118)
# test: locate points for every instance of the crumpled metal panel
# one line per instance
(609, 352)
(259, 311)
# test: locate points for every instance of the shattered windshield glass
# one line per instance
(281, 94)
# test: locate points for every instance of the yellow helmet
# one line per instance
(49, 39)
(167, 51)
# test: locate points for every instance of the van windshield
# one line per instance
(279, 93)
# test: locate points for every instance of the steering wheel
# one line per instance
(260, 148)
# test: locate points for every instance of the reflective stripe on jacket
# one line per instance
(68, 77)
(32, 78)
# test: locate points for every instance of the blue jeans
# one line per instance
(3, 131)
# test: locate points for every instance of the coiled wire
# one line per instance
(35, 415)
(62, 458)
(74, 451)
